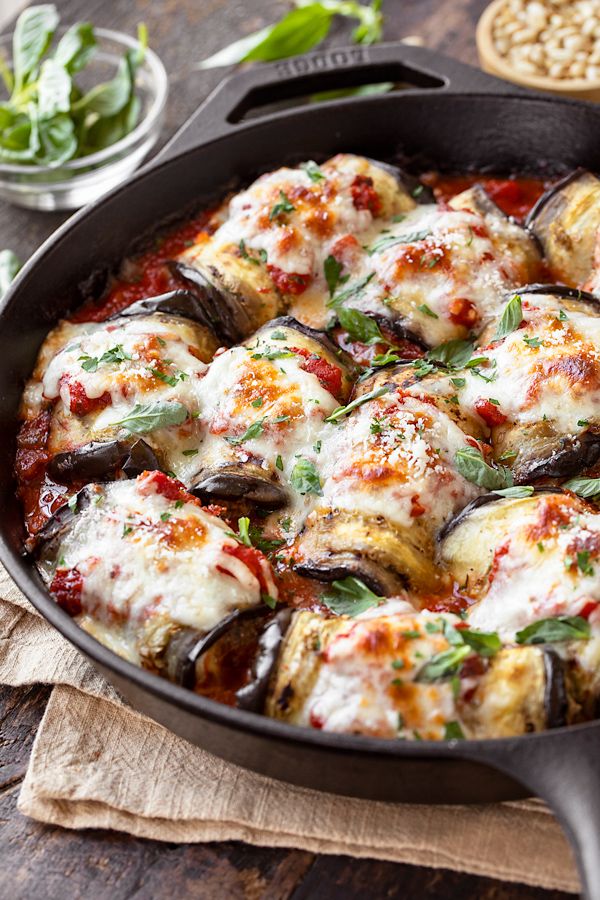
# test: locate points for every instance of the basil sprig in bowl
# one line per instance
(80, 108)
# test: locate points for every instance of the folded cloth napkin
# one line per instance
(96, 763)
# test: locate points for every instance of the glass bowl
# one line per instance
(74, 183)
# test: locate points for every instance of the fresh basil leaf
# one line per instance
(243, 529)
(482, 642)
(453, 732)
(9, 268)
(385, 359)
(472, 466)
(511, 318)
(106, 131)
(359, 326)
(313, 171)
(115, 354)
(453, 354)
(351, 597)
(54, 90)
(516, 493)
(253, 431)
(343, 411)
(584, 487)
(33, 33)
(390, 240)
(333, 270)
(352, 291)
(111, 97)
(550, 631)
(443, 665)
(57, 139)
(76, 47)
(284, 205)
(305, 478)
(297, 32)
(145, 417)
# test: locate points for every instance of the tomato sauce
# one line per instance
(515, 196)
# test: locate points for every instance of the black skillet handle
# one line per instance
(416, 67)
(563, 768)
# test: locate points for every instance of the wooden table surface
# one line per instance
(38, 861)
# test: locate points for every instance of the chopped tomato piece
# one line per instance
(289, 282)
(588, 609)
(416, 507)
(253, 559)
(67, 587)
(329, 376)
(463, 312)
(32, 440)
(489, 412)
(364, 195)
(79, 402)
(168, 487)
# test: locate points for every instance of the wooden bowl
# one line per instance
(492, 62)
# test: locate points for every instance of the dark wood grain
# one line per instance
(38, 861)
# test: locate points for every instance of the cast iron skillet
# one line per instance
(459, 117)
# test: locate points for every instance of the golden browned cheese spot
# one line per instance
(553, 513)
(182, 534)
(576, 372)
(260, 381)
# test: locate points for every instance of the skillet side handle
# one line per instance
(563, 768)
(417, 68)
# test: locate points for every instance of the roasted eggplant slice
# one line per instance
(526, 559)
(112, 558)
(177, 303)
(389, 482)
(536, 388)
(411, 677)
(262, 403)
(565, 220)
(113, 383)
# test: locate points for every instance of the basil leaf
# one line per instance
(332, 269)
(482, 642)
(453, 732)
(390, 240)
(472, 466)
(313, 171)
(76, 47)
(342, 411)
(115, 354)
(550, 631)
(305, 478)
(359, 326)
(54, 90)
(58, 142)
(516, 493)
(111, 97)
(352, 291)
(511, 318)
(297, 32)
(253, 431)
(443, 665)
(351, 598)
(453, 354)
(9, 268)
(584, 487)
(145, 417)
(33, 33)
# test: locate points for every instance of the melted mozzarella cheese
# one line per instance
(394, 457)
(532, 579)
(547, 370)
(141, 555)
(366, 680)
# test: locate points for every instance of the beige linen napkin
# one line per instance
(96, 763)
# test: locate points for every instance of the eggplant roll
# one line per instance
(565, 221)
(140, 563)
(262, 408)
(523, 560)
(411, 676)
(122, 382)
(389, 481)
(269, 244)
(537, 388)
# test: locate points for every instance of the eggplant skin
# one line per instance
(484, 500)
(47, 540)
(176, 303)
(565, 221)
(230, 482)
(253, 695)
(556, 698)
(98, 460)
(568, 456)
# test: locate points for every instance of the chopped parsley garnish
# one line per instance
(313, 171)
(283, 206)
(190, 452)
(72, 503)
(257, 403)
(114, 355)
(273, 354)
(443, 665)
(351, 291)
(253, 431)
(390, 240)
(279, 463)
(165, 516)
(127, 529)
(533, 342)
(333, 274)
(458, 382)
(255, 260)
(162, 376)
(453, 732)
(427, 311)
(269, 601)
(582, 423)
